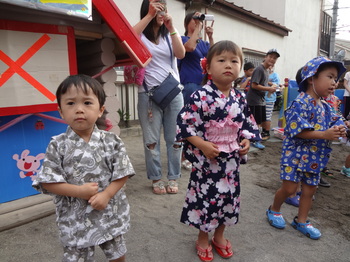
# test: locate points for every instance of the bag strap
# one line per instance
(145, 86)
(171, 51)
(171, 60)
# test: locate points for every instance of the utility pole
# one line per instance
(333, 29)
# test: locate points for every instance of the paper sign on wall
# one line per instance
(32, 65)
(80, 8)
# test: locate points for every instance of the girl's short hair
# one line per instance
(84, 83)
(148, 31)
(220, 47)
(187, 20)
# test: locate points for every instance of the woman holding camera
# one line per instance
(190, 70)
(162, 40)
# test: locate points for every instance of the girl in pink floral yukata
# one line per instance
(216, 127)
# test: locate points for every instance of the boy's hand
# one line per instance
(87, 190)
(335, 132)
(245, 145)
(272, 89)
(99, 201)
(342, 130)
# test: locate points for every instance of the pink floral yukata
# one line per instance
(213, 194)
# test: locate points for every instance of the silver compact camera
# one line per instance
(204, 17)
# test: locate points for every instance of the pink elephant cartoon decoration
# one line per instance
(29, 165)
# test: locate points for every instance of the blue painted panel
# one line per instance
(33, 134)
(292, 91)
(292, 94)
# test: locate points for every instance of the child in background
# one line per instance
(334, 103)
(216, 126)
(294, 198)
(346, 97)
(85, 169)
(310, 125)
(346, 168)
(270, 99)
(248, 69)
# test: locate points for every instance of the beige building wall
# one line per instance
(302, 44)
(131, 10)
(276, 13)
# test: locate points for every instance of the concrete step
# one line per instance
(24, 210)
(130, 131)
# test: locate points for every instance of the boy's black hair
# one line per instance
(298, 76)
(248, 66)
(83, 82)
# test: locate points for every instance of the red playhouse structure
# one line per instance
(41, 44)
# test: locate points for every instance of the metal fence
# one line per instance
(127, 95)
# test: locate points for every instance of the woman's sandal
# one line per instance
(327, 173)
(158, 188)
(219, 249)
(205, 254)
(172, 187)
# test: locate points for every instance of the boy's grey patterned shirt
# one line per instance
(69, 159)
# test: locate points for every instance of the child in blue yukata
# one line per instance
(85, 170)
(217, 127)
(310, 126)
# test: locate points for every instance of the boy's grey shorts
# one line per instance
(113, 249)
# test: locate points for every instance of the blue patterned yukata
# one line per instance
(308, 156)
(213, 194)
(69, 159)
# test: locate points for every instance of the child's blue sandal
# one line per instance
(294, 201)
(306, 228)
(275, 219)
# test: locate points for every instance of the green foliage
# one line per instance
(124, 115)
